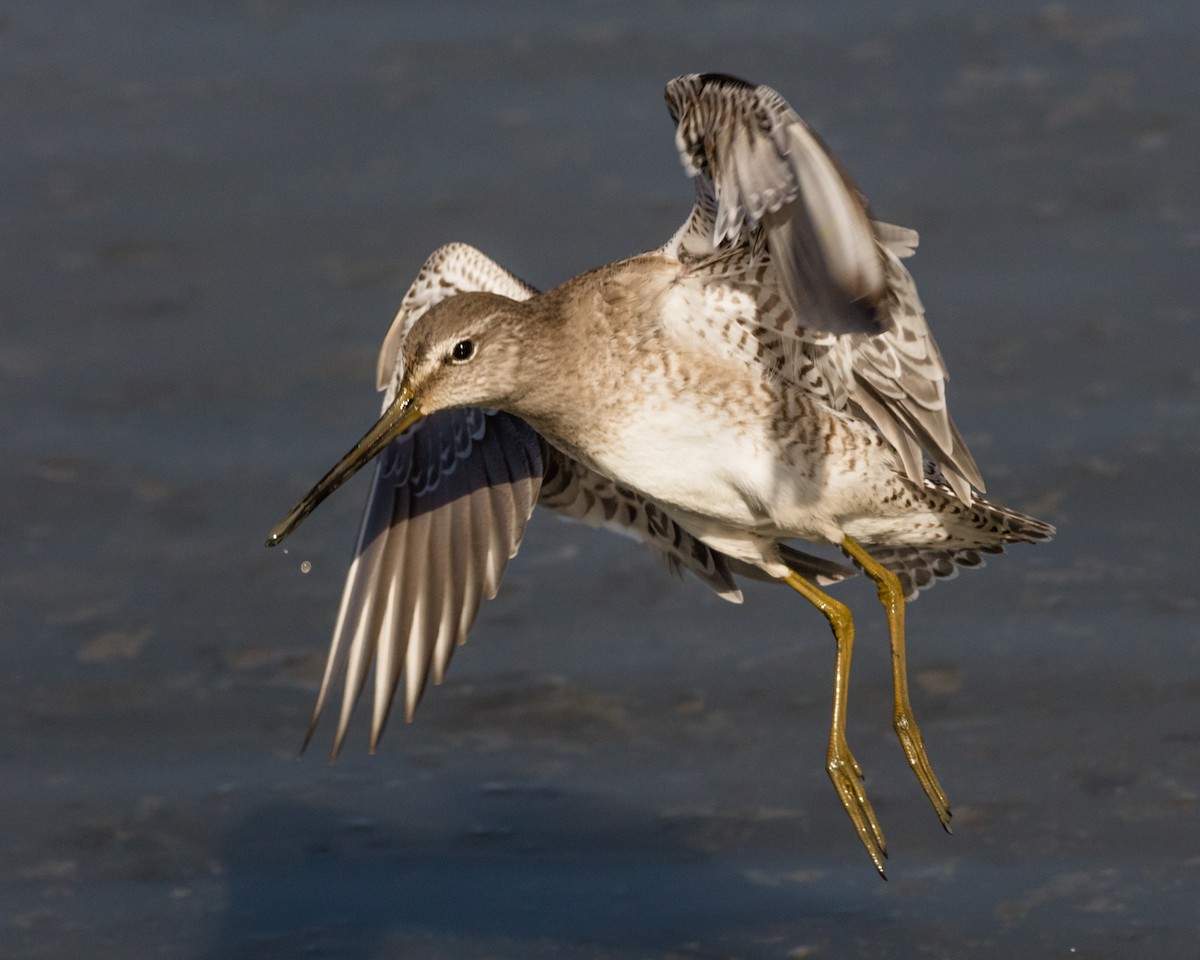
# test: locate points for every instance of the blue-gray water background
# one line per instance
(208, 213)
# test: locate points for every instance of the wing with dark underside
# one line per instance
(446, 512)
(779, 246)
(447, 509)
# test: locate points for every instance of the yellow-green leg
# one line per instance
(891, 595)
(843, 769)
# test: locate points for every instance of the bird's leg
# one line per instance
(843, 769)
(891, 595)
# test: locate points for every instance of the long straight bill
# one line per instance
(397, 418)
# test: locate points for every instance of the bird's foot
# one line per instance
(846, 775)
(914, 750)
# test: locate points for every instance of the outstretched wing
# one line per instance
(447, 509)
(780, 242)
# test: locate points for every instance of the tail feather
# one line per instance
(977, 529)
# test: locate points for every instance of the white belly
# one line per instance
(727, 482)
(696, 467)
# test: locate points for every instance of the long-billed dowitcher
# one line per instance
(765, 375)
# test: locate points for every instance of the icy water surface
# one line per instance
(210, 212)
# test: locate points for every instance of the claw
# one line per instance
(848, 783)
(914, 750)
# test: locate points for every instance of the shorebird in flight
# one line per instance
(767, 375)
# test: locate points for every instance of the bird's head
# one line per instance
(466, 351)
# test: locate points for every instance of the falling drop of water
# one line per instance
(305, 567)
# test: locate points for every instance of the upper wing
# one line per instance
(779, 243)
(773, 184)
(447, 509)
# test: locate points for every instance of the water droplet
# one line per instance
(305, 567)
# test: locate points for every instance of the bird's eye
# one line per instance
(463, 351)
